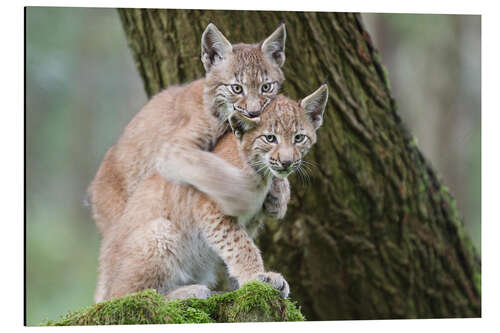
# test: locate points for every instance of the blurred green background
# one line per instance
(82, 88)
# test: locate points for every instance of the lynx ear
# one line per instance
(241, 124)
(314, 105)
(214, 46)
(274, 45)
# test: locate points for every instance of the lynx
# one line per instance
(174, 132)
(172, 237)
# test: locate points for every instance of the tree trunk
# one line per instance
(374, 234)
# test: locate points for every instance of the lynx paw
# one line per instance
(190, 291)
(277, 199)
(274, 207)
(276, 280)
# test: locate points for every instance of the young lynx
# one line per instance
(174, 131)
(172, 237)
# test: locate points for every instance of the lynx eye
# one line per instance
(271, 138)
(299, 138)
(266, 87)
(237, 89)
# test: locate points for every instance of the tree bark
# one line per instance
(374, 234)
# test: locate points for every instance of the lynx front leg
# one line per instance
(277, 199)
(230, 187)
(230, 240)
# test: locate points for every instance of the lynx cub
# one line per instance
(174, 131)
(172, 237)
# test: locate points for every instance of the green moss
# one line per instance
(384, 70)
(413, 142)
(254, 302)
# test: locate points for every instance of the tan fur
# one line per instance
(173, 131)
(172, 237)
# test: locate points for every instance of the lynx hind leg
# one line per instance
(137, 259)
(103, 277)
(189, 291)
(106, 195)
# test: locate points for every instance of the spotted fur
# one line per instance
(174, 130)
(173, 238)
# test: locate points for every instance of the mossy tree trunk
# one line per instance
(374, 234)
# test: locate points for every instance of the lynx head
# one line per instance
(276, 142)
(241, 77)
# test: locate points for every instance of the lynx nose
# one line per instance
(286, 164)
(253, 114)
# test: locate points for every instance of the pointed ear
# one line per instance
(214, 46)
(241, 124)
(274, 45)
(314, 105)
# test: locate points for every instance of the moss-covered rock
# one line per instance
(254, 302)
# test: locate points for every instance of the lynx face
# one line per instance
(276, 142)
(242, 77)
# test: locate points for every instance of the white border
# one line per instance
(379, 6)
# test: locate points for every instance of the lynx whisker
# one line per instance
(310, 164)
(304, 175)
